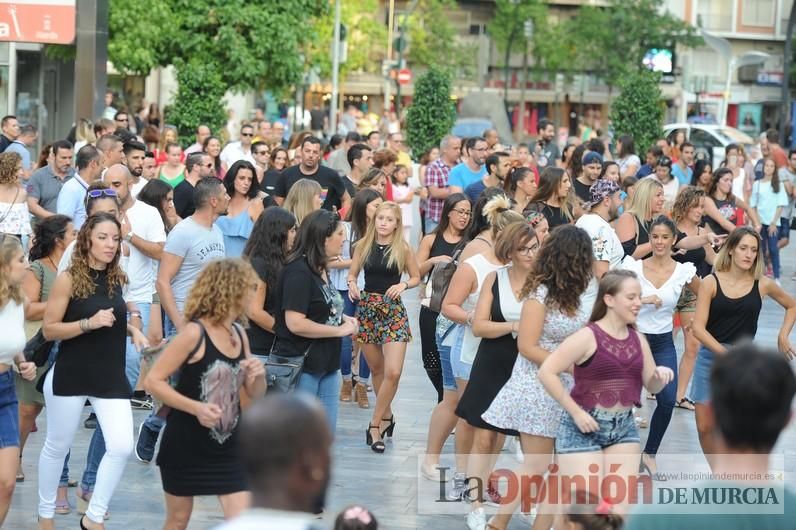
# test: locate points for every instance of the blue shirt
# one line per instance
(683, 176)
(645, 171)
(474, 190)
(22, 150)
(72, 200)
(461, 176)
(766, 201)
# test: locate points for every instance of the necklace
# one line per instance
(51, 263)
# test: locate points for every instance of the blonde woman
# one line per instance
(384, 256)
(303, 198)
(84, 134)
(14, 216)
(168, 136)
(198, 453)
(374, 179)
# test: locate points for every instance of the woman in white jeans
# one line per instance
(87, 313)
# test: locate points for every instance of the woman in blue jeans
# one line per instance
(728, 306)
(662, 282)
(360, 215)
(310, 321)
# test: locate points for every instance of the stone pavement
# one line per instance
(386, 483)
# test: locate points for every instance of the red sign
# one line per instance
(43, 21)
(404, 76)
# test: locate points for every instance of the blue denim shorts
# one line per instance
(615, 428)
(9, 411)
(461, 369)
(700, 384)
(784, 228)
(448, 381)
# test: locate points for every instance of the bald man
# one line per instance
(289, 478)
(145, 235)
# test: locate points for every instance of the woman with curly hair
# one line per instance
(13, 268)
(303, 198)
(14, 215)
(198, 453)
(271, 240)
(87, 313)
(245, 207)
(551, 312)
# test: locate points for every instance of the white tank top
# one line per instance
(12, 340)
(482, 268)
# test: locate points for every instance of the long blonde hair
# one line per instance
(641, 203)
(83, 284)
(397, 250)
(219, 291)
(499, 214)
(723, 261)
(9, 246)
(300, 200)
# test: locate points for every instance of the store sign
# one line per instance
(42, 21)
(770, 78)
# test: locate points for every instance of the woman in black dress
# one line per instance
(553, 197)
(269, 244)
(496, 321)
(198, 453)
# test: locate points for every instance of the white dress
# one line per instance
(523, 404)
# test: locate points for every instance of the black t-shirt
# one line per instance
(350, 187)
(270, 178)
(4, 142)
(582, 191)
(554, 214)
(304, 291)
(316, 119)
(183, 199)
(332, 187)
(261, 340)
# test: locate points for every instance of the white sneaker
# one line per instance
(476, 520)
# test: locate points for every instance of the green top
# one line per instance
(651, 518)
(175, 181)
(45, 276)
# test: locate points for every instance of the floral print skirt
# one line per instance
(382, 320)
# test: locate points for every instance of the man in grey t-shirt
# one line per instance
(190, 245)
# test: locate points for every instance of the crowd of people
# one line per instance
(138, 275)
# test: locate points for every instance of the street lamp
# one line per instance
(737, 61)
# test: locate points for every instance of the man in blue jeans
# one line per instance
(193, 243)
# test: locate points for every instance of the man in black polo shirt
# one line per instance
(10, 127)
(360, 158)
(333, 192)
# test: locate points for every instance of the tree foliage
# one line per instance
(433, 41)
(431, 115)
(198, 100)
(623, 32)
(639, 109)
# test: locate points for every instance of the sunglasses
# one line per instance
(96, 194)
(247, 134)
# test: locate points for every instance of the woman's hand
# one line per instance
(716, 240)
(441, 259)
(104, 318)
(139, 340)
(253, 368)
(394, 292)
(27, 370)
(653, 299)
(783, 344)
(585, 422)
(662, 376)
(353, 291)
(208, 414)
(349, 327)
(773, 229)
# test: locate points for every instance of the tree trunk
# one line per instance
(785, 107)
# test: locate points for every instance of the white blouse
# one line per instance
(656, 320)
(12, 322)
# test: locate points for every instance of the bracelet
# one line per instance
(85, 327)
(349, 281)
(135, 314)
(406, 283)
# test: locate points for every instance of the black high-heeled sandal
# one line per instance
(377, 446)
(390, 428)
(82, 526)
(657, 476)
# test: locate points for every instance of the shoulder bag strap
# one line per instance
(8, 211)
(202, 335)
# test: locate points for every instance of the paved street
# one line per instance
(387, 483)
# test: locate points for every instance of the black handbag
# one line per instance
(282, 373)
(37, 349)
(440, 279)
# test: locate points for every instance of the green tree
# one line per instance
(431, 115)
(433, 41)
(246, 44)
(611, 41)
(198, 100)
(639, 108)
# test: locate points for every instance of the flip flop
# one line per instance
(685, 403)
(20, 476)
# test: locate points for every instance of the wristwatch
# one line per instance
(128, 237)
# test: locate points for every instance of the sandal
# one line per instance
(20, 476)
(62, 507)
(685, 403)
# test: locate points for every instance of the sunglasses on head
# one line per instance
(96, 194)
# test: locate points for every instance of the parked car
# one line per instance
(710, 140)
(470, 127)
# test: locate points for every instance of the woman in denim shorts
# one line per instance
(611, 362)
(13, 268)
(728, 307)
